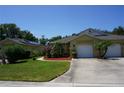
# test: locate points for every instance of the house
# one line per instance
(18, 41)
(25, 43)
(84, 43)
(36, 48)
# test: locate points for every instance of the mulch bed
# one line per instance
(58, 58)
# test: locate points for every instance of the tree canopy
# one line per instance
(118, 31)
(12, 31)
(44, 40)
(55, 38)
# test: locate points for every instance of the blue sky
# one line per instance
(62, 20)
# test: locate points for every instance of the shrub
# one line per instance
(57, 51)
(34, 58)
(48, 50)
(73, 53)
(66, 50)
(36, 53)
(15, 53)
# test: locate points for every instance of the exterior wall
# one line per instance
(84, 40)
(121, 42)
(122, 49)
(92, 41)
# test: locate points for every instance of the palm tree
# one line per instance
(102, 47)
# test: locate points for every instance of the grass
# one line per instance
(30, 70)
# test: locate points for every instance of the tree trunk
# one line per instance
(3, 61)
(103, 55)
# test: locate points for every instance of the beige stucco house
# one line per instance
(84, 43)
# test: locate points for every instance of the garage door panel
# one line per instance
(114, 51)
(84, 51)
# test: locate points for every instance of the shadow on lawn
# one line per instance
(18, 62)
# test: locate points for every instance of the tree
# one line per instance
(48, 48)
(74, 34)
(55, 38)
(28, 36)
(9, 30)
(57, 50)
(12, 31)
(102, 47)
(118, 31)
(43, 40)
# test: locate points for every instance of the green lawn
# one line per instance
(33, 70)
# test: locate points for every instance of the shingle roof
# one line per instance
(101, 35)
(95, 33)
(65, 40)
(21, 41)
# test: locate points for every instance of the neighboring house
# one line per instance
(36, 48)
(84, 43)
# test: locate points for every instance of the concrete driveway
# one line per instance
(95, 72)
(84, 72)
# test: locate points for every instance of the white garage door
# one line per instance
(114, 51)
(84, 51)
